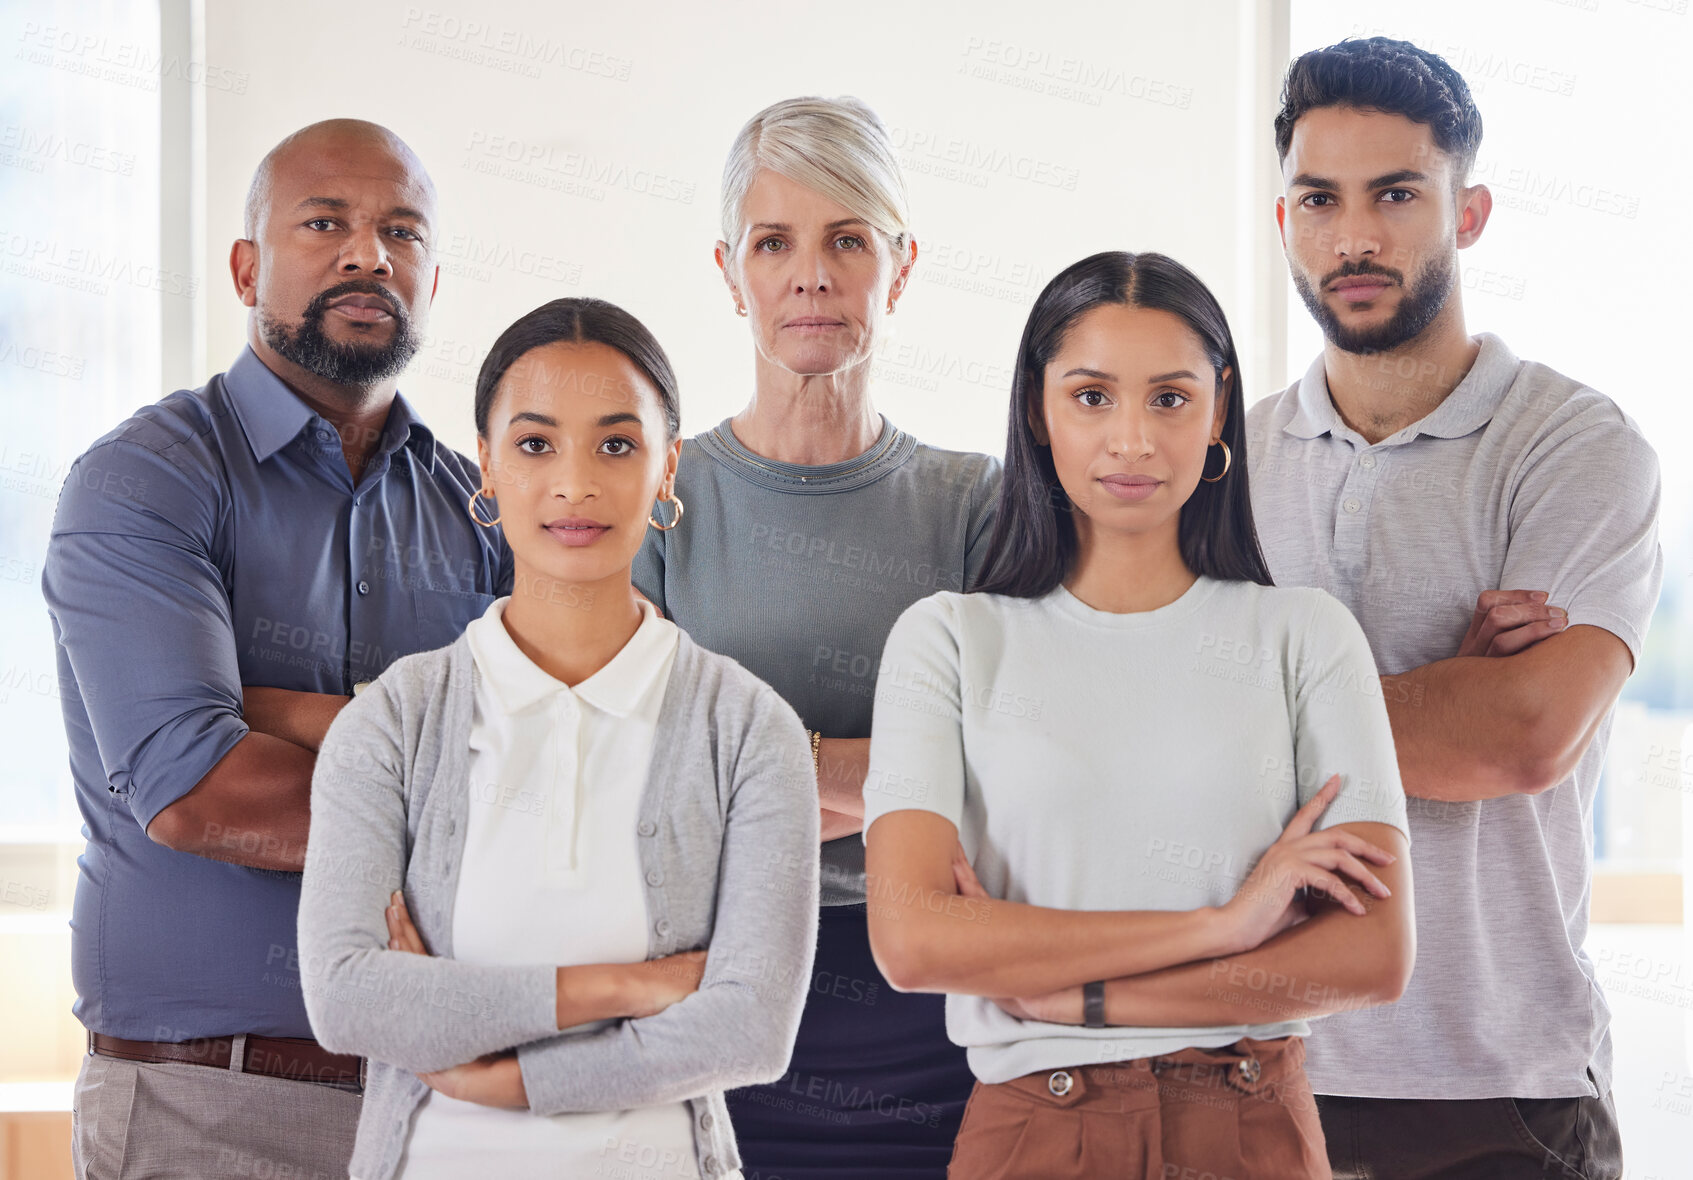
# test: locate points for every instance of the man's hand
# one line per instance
(1507, 621)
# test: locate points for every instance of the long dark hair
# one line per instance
(580, 320)
(1033, 547)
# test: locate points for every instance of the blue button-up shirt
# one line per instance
(216, 539)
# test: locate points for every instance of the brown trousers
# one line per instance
(1240, 1112)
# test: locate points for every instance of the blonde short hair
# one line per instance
(834, 146)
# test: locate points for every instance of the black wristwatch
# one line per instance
(1093, 1004)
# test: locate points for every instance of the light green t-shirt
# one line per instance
(1139, 761)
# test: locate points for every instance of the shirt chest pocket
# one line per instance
(442, 615)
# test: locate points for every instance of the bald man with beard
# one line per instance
(226, 568)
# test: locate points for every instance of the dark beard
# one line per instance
(1422, 301)
(354, 364)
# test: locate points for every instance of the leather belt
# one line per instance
(297, 1059)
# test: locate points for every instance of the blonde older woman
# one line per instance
(813, 522)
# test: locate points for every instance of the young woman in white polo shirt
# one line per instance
(604, 833)
(1131, 807)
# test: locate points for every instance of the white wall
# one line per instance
(1032, 136)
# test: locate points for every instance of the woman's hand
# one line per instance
(1268, 902)
(1063, 1006)
(402, 934)
(491, 1080)
(969, 885)
(659, 983)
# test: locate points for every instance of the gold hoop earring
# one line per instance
(1227, 460)
(475, 496)
(674, 520)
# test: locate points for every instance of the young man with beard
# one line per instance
(226, 567)
(1492, 525)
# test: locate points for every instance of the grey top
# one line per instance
(728, 821)
(798, 572)
(1521, 479)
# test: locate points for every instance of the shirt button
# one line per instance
(1351, 505)
(364, 587)
(655, 878)
(646, 827)
(1367, 461)
(662, 925)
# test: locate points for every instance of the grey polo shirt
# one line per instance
(1520, 479)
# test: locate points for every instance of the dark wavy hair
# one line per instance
(1033, 547)
(1381, 74)
(579, 321)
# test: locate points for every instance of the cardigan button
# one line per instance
(705, 1121)
(710, 1165)
(662, 925)
(655, 878)
(646, 827)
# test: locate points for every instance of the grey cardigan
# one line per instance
(728, 835)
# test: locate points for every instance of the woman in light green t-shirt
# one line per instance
(1130, 730)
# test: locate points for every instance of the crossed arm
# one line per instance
(699, 1020)
(253, 806)
(842, 764)
(933, 928)
(1513, 712)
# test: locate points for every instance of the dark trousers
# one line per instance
(874, 1088)
(1472, 1138)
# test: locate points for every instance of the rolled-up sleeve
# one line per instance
(739, 1027)
(140, 607)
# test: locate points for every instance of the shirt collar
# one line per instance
(1468, 408)
(272, 415)
(618, 688)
